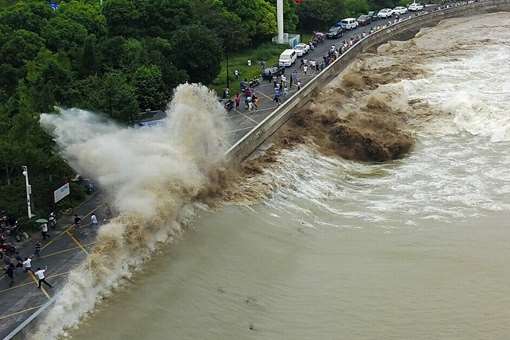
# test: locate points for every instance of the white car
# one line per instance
(385, 13)
(301, 49)
(400, 10)
(415, 7)
(349, 23)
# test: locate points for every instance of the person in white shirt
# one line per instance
(93, 220)
(44, 231)
(40, 275)
(27, 264)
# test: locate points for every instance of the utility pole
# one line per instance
(279, 16)
(29, 191)
(228, 72)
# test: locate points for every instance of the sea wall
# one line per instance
(401, 30)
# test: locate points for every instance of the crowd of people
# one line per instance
(13, 262)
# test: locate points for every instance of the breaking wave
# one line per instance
(153, 176)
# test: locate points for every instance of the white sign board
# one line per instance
(61, 192)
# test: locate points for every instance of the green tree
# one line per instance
(88, 15)
(199, 52)
(88, 61)
(320, 14)
(28, 15)
(122, 17)
(354, 8)
(47, 83)
(149, 88)
(19, 47)
(64, 34)
(118, 97)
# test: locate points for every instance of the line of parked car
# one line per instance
(347, 24)
(289, 56)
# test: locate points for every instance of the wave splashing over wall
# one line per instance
(152, 176)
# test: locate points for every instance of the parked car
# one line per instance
(269, 72)
(335, 32)
(373, 15)
(415, 7)
(348, 23)
(287, 58)
(385, 13)
(302, 49)
(364, 20)
(400, 10)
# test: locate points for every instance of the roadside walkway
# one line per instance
(66, 248)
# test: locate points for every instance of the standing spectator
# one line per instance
(52, 220)
(44, 231)
(276, 97)
(236, 74)
(77, 220)
(37, 251)
(237, 100)
(283, 80)
(226, 93)
(93, 220)
(9, 270)
(291, 80)
(299, 85)
(305, 69)
(42, 279)
(285, 91)
(255, 101)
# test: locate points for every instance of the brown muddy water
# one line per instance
(414, 248)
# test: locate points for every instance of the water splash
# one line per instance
(152, 175)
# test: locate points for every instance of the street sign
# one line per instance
(61, 192)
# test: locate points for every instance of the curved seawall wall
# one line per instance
(404, 29)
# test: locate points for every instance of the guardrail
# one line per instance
(266, 128)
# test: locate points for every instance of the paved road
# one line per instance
(243, 121)
(68, 246)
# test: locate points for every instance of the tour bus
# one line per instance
(287, 58)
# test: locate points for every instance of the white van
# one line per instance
(348, 23)
(287, 58)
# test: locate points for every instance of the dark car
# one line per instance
(335, 32)
(269, 72)
(373, 15)
(364, 20)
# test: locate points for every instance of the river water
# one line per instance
(410, 249)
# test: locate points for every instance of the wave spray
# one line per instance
(151, 177)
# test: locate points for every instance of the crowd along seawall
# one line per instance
(402, 30)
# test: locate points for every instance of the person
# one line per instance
(305, 69)
(299, 85)
(93, 220)
(27, 264)
(52, 220)
(9, 270)
(226, 93)
(237, 100)
(236, 74)
(285, 91)
(291, 80)
(77, 220)
(283, 80)
(276, 97)
(44, 231)
(42, 279)
(255, 101)
(37, 251)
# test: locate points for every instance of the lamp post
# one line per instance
(279, 16)
(29, 191)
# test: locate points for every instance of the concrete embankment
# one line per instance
(401, 31)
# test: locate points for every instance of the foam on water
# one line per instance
(458, 170)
